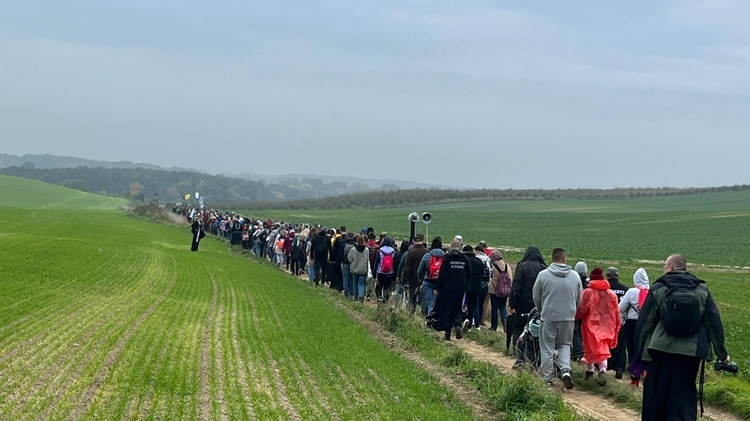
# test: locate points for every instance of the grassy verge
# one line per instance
(519, 396)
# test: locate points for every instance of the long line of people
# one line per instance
(486, 285)
(542, 309)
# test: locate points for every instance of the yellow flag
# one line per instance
(187, 197)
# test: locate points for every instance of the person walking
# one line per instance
(557, 294)
(499, 289)
(385, 270)
(613, 277)
(630, 308)
(427, 273)
(677, 327)
(577, 353)
(521, 299)
(450, 289)
(411, 264)
(473, 289)
(359, 264)
(600, 325)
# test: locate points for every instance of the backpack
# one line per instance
(433, 268)
(502, 288)
(683, 311)
(280, 244)
(642, 294)
(386, 262)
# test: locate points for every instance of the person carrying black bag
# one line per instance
(677, 328)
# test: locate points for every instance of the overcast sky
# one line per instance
(472, 93)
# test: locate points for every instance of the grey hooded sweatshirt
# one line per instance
(557, 293)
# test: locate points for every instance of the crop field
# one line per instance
(108, 317)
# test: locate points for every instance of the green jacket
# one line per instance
(652, 335)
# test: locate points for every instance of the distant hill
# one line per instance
(342, 185)
(55, 161)
(26, 193)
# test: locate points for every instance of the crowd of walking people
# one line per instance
(552, 315)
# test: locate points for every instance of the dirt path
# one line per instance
(584, 403)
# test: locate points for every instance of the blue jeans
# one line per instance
(428, 297)
(256, 248)
(347, 278)
(498, 305)
(311, 272)
(359, 283)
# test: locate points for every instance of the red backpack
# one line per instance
(386, 262)
(642, 294)
(433, 269)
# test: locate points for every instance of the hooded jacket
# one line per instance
(650, 331)
(386, 248)
(557, 293)
(583, 272)
(600, 321)
(454, 272)
(629, 303)
(359, 259)
(521, 293)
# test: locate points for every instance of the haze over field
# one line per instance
(474, 94)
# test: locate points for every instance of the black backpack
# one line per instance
(683, 311)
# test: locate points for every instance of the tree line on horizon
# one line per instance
(168, 186)
(148, 184)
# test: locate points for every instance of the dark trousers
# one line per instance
(413, 298)
(472, 305)
(321, 266)
(577, 352)
(626, 342)
(669, 391)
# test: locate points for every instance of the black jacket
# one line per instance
(454, 272)
(521, 293)
(474, 282)
(617, 287)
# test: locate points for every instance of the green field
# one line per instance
(108, 317)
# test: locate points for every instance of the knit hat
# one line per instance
(496, 255)
(437, 243)
(597, 275)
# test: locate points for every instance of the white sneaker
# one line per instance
(466, 326)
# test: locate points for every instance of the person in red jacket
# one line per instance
(600, 325)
